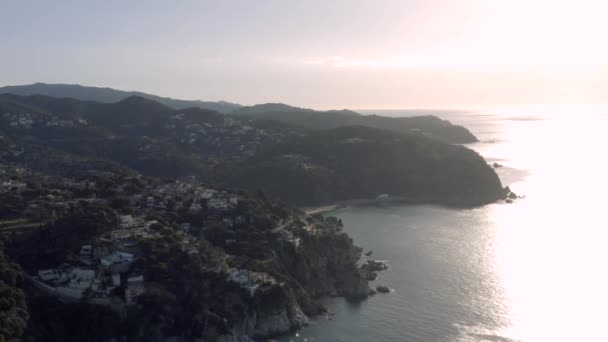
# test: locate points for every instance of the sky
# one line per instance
(322, 54)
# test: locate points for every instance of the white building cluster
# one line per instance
(69, 283)
(249, 280)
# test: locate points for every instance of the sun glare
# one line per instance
(551, 246)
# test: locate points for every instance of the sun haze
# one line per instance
(354, 54)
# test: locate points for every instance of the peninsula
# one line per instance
(146, 222)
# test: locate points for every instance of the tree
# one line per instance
(13, 308)
(120, 203)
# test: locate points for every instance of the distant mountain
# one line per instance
(298, 118)
(428, 125)
(271, 108)
(109, 95)
(136, 132)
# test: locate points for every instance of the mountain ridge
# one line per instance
(109, 95)
(159, 141)
(300, 118)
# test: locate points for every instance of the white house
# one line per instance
(195, 206)
(86, 250)
(14, 185)
(208, 194)
(217, 204)
(81, 278)
(49, 275)
(123, 237)
(79, 281)
(234, 200)
(248, 280)
(127, 221)
(117, 258)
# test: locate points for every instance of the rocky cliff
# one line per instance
(216, 296)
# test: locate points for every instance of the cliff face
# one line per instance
(327, 266)
(324, 263)
(270, 312)
(273, 312)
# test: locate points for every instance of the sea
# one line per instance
(533, 270)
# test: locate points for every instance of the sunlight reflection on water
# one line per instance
(530, 271)
(552, 245)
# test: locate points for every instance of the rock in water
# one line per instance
(375, 265)
(383, 289)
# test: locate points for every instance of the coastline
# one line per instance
(391, 201)
(321, 209)
(362, 202)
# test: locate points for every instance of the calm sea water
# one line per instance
(535, 270)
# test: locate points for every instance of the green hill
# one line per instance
(301, 166)
(109, 95)
(359, 162)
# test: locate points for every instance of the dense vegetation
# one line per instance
(130, 133)
(359, 162)
(53, 243)
(277, 148)
(13, 308)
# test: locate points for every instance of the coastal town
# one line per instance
(109, 268)
(169, 221)
(212, 137)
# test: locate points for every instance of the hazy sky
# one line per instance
(316, 53)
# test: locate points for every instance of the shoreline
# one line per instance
(321, 209)
(391, 201)
(364, 202)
